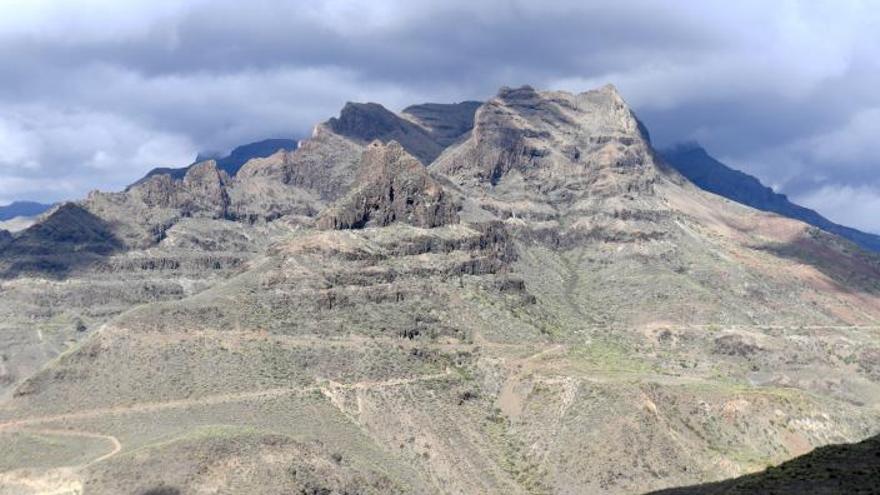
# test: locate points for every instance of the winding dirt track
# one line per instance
(117, 446)
(146, 407)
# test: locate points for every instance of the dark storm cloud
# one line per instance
(94, 92)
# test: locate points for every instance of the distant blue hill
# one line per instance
(234, 161)
(22, 209)
(699, 167)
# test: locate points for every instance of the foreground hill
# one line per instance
(544, 308)
(830, 470)
(699, 167)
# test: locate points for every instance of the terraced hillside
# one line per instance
(544, 308)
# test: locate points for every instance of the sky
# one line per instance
(94, 93)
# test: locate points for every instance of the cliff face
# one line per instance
(553, 144)
(391, 186)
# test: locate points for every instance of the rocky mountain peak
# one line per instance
(205, 190)
(366, 122)
(611, 90)
(205, 172)
(547, 142)
(392, 185)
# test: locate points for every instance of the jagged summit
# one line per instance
(367, 122)
(553, 146)
(391, 186)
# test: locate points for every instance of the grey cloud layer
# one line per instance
(94, 92)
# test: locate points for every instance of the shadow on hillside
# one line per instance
(162, 490)
(831, 470)
(850, 267)
(68, 239)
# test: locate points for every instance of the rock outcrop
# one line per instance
(201, 192)
(392, 186)
(554, 145)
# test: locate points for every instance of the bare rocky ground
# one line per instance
(545, 308)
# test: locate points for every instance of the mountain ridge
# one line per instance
(230, 163)
(702, 169)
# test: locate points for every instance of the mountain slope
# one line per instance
(446, 123)
(545, 308)
(708, 173)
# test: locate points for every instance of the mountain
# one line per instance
(366, 122)
(232, 162)
(68, 236)
(22, 209)
(529, 302)
(699, 167)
